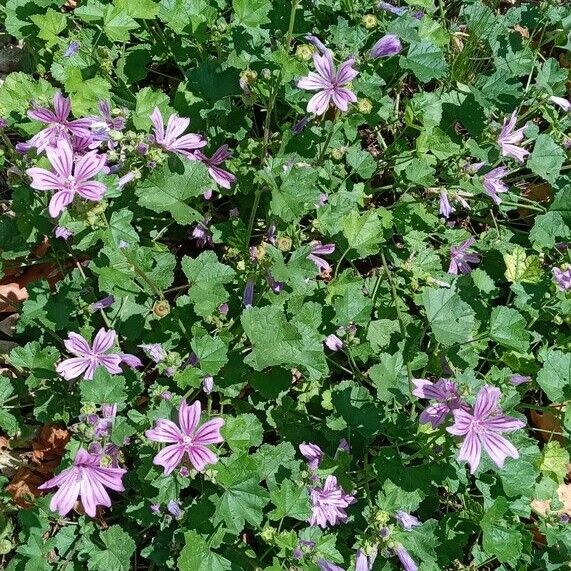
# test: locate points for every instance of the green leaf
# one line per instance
(144, 9)
(522, 268)
(51, 24)
(167, 191)
(207, 277)
(509, 328)
(548, 229)
(211, 353)
(361, 162)
(242, 432)
(451, 319)
(554, 461)
(275, 341)
(119, 548)
(146, 101)
(117, 24)
(296, 195)
(196, 555)
(555, 375)
(365, 232)
(426, 61)
(103, 388)
(291, 500)
(547, 158)
(251, 13)
(500, 539)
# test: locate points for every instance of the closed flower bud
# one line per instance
(249, 76)
(338, 154)
(161, 308)
(369, 21)
(268, 534)
(365, 106)
(304, 52)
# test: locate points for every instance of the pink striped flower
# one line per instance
(446, 395)
(509, 137)
(483, 427)
(86, 479)
(224, 178)
(59, 127)
(317, 250)
(68, 179)
(330, 83)
(328, 503)
(89, 357)
(172, 139)
(188, 438)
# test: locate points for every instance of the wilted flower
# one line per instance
(329, 84)
(325, 565)
(154, 351)
(301, 124)
(173, 139)
(126, 179)
(565, 104)
(155, 508)
(460, 258)
(317, 250)
(406, 520)
(562, 278)
(68, 178)
(223, 309)
(188, 438)
(201, 233)
(388, 7)
(406, 560)
(493, 183)
(59, 127)
(89, 357)
(328, 503)
(446, 395)
(224, 178)
(482, 427)
(333, 342)
(445, 207)
(312, 453)
(248, 296)
(87, 480)
(509, 138)
(517, 380)
(103, 303)
(173, 507)
(61, 232)
(72, 49)
(344, 446)
(207, 384)
(387, 46)
(364, 562)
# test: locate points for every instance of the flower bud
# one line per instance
(365, 106)
(369, 21)
(337, 154)
(284, 243)
(304, 52)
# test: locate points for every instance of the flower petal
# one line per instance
(73, 368)
(61, 158)
(209, 432)
(169, 457)
(188, 416)
(498, 448)
(103, 341)
(164, 431)
(471, 451)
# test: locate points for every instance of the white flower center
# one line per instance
(187, 440)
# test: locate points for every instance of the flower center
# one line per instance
(478, 427)
(70, 183)
(187, 440)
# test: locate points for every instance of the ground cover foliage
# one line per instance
(285, 285)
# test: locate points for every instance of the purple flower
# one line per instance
(384, 532)
(248, 297)
(312, 453)
(344, 446)
(406, 560)
(3, 123)
(173, 139)
(392, 9)
(364, 563)
(406, 520)
(328, 504)
(126, 179)
(509, 137)
(103, 425)
(325, 565)
(201, 233)
(446, 395)
(333, 342)
(517, 380)
(223, 309)
(493, 183)
(166, 395)
(445, 207)
(89, 357)
(59, 127)
(317, 250)
(565, 104)
(387, 46)
(224, 178)
(207, 384)
(460, 258)
(482, 427)
(85, 479)
(562, 278)
(155, 508)
(188, 437)
(67, 178)
(130, 360)
(173, 507)
(275, 286)
(329, 84)
(103, 303)
(315, 41)
(106, 122)
(61, 232)
(72, 49)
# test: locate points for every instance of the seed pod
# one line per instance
(161, 308)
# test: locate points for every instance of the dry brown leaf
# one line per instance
(549, 424)
(49, 444)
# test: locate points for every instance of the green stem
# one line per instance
(252, 220)
(327, 141)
